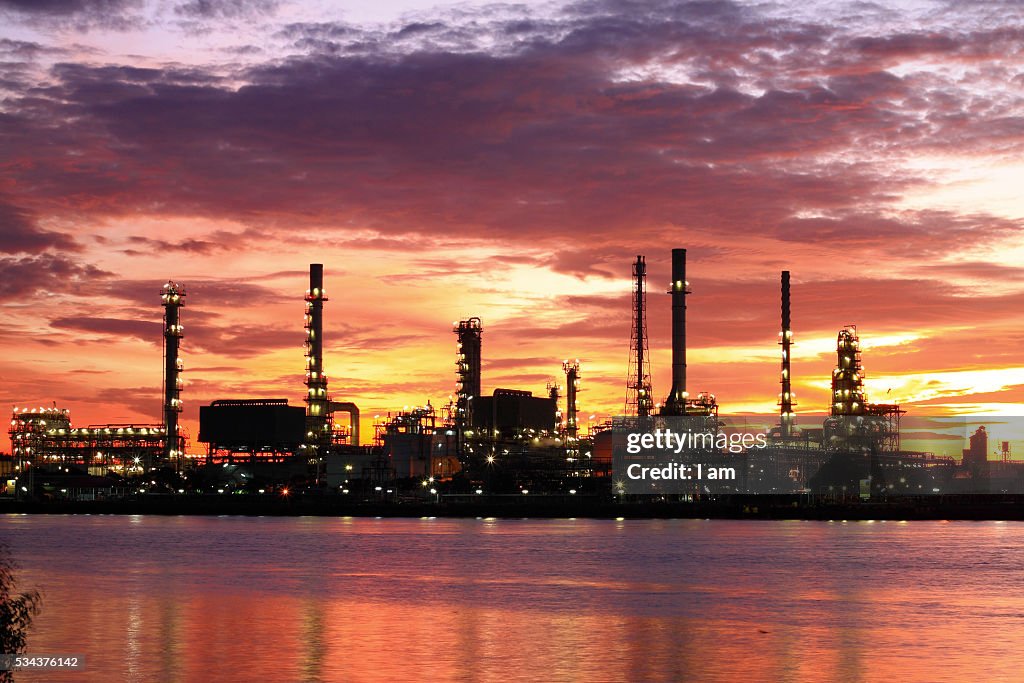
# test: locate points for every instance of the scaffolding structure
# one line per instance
(44, 438)
(639, 397)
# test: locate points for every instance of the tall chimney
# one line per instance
(172, 295)
(675, 404)
(786, 397)
(318, 429)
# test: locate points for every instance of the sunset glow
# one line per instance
(508, 162)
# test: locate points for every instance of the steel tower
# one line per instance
(638, 384)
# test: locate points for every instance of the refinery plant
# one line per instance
(510, 443)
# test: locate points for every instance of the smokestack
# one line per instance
(315, 297)
(786, 397)
(675, 404)
(172, 296)
(317, 401)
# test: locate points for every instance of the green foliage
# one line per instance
(16, 611)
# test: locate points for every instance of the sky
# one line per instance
(508, 161)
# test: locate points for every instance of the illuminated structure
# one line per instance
(171, 296)
(554, 394)
(45, 438)
(848, 376)
(639, 399)
(340, 434)
(318, 426)
(786, 398)
(675, 403)
(678, 402)
(849, 400)
(467, 369)
(572, 406)
(415, 445)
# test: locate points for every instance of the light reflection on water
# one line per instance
(325, 599)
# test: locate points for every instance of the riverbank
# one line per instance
(975, 508)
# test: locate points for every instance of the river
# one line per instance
(147, 598)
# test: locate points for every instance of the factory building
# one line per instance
(269, 430)
(510, 412)
(250, 430)
(417, 445)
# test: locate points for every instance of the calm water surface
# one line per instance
(328, 599)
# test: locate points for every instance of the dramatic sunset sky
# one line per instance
(508, 161)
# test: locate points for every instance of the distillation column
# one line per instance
(848, 376)
(468, 332)
(467, 364)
